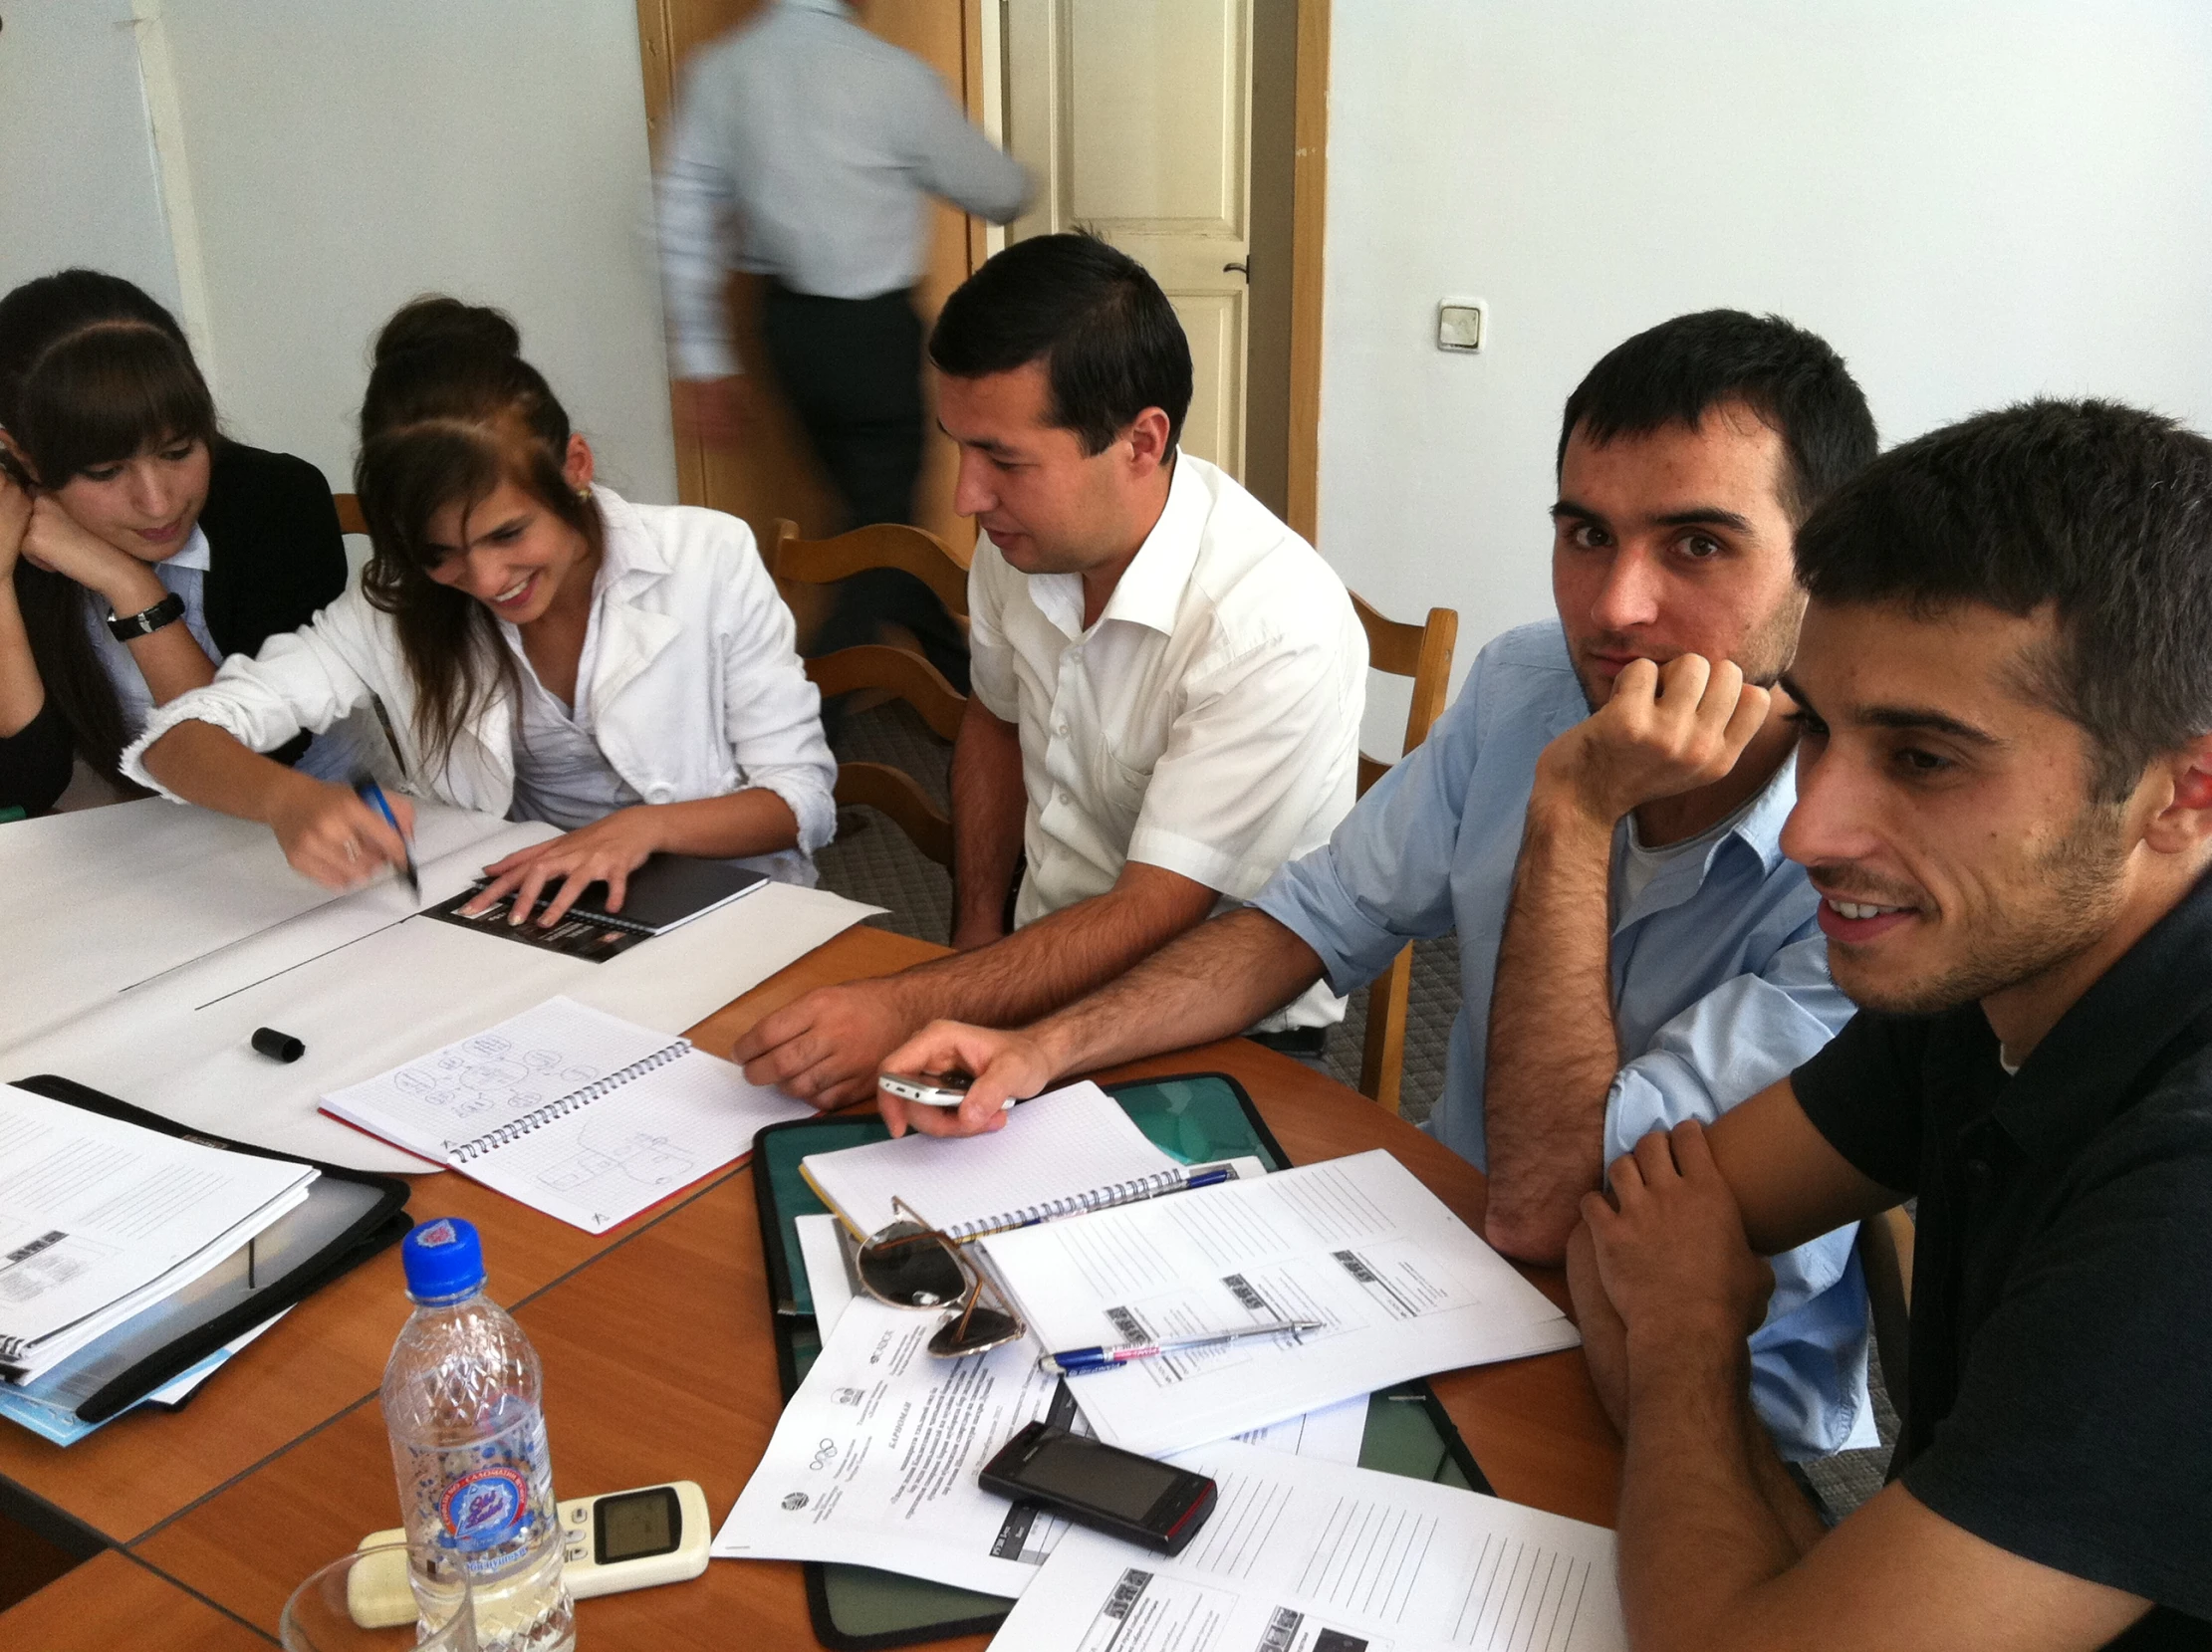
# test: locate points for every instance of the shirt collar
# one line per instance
(194, 553)
(1150, 590)
(1759, 830)
(2089, 1065)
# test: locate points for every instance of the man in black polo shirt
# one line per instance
(2005, 800)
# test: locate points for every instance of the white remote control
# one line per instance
(621, 1540)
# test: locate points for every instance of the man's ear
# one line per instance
(1147, 436)
(2184, 823)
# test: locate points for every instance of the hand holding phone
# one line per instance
(939, 1089)
(1091, 1483)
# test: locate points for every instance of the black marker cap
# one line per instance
(278, 1047)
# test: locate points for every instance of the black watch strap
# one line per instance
(164, 612)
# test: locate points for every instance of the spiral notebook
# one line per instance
(577, 1113)
(1069, 1151)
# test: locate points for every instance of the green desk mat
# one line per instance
(1196, 1118)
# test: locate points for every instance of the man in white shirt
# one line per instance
(806, 149)
(1167, 680)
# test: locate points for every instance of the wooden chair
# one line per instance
(898, 671)
(350, 519)
(1424, 653)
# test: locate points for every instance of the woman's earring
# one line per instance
(583, 493)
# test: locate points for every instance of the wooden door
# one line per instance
(775, 475)
(1136, 116)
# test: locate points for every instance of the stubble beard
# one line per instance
(2078, 900)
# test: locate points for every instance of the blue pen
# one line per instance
(373, 794)
(1075, 1361)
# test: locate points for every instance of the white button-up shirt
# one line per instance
(1207, 723)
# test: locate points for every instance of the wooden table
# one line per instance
(659, 1366)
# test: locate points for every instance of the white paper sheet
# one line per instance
(1404, 1286)
(99, 1218)
(874, 1459)
(1302, 1556)
(366, 987)
(102, 898)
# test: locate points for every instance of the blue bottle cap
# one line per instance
(443, 1260)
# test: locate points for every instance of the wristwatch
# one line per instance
(167, 612)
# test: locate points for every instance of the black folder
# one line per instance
(348, 1217)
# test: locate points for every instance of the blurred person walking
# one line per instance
(806, 149)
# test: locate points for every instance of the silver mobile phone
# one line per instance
(935, 1090)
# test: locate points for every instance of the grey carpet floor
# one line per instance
(873, 860)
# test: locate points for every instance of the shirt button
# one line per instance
(1061, 728)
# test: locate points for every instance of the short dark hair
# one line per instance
(1108, 338)
(2099, 510)
(1792, 379)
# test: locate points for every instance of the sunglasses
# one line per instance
(909, 1264)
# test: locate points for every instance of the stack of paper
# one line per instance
(101, 1219)
(1313, 1555)
(1404, 1285)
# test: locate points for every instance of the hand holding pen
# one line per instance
(370, 793)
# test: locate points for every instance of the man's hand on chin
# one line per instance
(1667, 729)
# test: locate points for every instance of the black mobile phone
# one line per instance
(1093, 1484)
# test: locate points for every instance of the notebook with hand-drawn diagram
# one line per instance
(577, 1113)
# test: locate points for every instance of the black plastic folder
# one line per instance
(348, 1217)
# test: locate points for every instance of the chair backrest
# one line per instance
(879, 666)
(350, 519)
(817, 561)
(1422, 652)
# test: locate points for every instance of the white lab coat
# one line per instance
(696, 690)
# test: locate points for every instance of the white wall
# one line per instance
(1974, 202)
(344, 156)
(78, 178)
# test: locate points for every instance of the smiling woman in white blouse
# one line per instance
(540, 647)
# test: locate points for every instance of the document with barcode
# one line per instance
(1300, 1555)
(1401, 1285)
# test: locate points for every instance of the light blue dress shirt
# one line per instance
(1720, 980)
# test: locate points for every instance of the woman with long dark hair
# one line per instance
(137, 545)
(544, 649)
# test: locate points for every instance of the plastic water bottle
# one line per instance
(468, 1440)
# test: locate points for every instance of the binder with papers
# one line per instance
(130, 1250)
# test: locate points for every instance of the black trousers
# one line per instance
(853, 371)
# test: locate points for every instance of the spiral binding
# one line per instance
(1076, 1204)
(515, 1130)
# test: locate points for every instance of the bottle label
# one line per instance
(485, 1506)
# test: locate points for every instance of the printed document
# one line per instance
(100, 1219)
(1402, 1286)
(1306, 1557)
(874, 1460)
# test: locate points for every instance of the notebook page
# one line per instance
(604, 1162)
(435, 1102)
(1067, 1142)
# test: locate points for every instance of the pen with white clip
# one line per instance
(1075, 1361)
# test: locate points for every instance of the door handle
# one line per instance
(1243, 269)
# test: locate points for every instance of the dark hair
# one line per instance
(451, 411)
(1792, 379)
(2102, 511)
(1108, 338)
(91, 370)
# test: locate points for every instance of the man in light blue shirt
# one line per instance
(1597, 816)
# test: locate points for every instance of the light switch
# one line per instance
(1462, 325)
